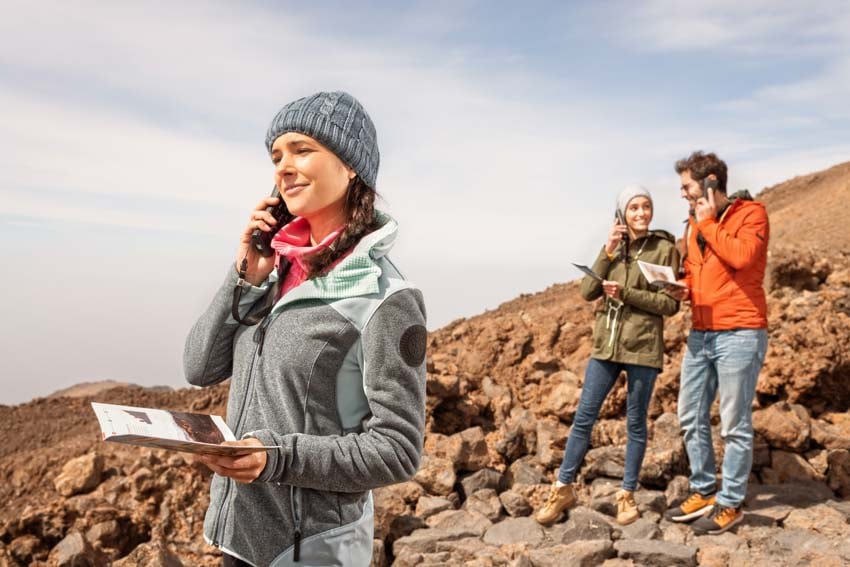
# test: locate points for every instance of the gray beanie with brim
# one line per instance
(629, 193)
(339, 122)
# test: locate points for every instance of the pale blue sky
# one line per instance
(131, 145)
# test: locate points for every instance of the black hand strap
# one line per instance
(268, 300)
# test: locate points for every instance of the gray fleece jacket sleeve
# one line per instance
(208, 353)
(389, 448)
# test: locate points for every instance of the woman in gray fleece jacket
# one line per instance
(333, 374)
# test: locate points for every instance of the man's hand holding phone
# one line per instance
(259, 267)
(706, 207)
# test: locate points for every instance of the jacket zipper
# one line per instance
(260, 334)
(225, 500)
(259, 339)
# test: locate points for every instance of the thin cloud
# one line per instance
(756, 27)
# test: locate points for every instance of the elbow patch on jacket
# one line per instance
(412, 345)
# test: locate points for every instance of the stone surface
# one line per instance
(602, 496)
(426, 540)
(427, 506)
(784, 426)
(677, 490)
(675, 533)
(562, 400)
(514, 530)
(551, 440)
(577, 554)
(392, 502)
(486, 502)
(73, 551)
(436, 475)
(721, 550)
(791, 467)
(583, 525)
(832, 435)
(484, 478)
(818, 518)
(515, 504)
(149, 555)
(604, 462)
(23, 549)
(776, 502)
(656, 553)
(642, 528)
(80, 475)
(474, 454)
(524, 472)
(474, 523)
(839, 472)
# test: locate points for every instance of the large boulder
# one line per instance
(80, 475)
(784, 426)
(436, 475)
(74, 551)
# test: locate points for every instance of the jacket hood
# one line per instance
(743, 195)
(663, 234)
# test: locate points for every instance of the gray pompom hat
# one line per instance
(629, 193)
(338, 121)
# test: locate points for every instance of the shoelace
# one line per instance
(624, 499)
(553, 497)
(720, 513)
(692, 499)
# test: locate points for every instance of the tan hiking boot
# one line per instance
(560, 498)
(627, 510)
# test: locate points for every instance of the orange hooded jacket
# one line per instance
(726, 280)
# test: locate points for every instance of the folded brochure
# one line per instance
(659, 275)
(164, 429)
(588, 271)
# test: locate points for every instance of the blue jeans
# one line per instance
(728, 361)
(599, 378)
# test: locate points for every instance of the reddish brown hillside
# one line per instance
(810, 211)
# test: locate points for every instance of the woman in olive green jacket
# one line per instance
(628, 337)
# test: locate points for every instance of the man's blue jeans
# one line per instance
(599, 378)
(728, 361)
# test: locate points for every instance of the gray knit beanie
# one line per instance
(338, 121)
(629, 193)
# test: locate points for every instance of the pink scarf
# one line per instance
(293, 243)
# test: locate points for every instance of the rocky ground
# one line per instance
(502, 390)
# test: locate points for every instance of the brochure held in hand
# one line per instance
(164, 429)
(659, 275)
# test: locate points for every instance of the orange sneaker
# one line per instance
(718, 520)
(693, 507)
(560, 498)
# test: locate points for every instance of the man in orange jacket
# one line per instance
(724, 263)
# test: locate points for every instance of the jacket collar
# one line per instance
(356, 274)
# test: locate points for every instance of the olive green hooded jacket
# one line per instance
(631, 330)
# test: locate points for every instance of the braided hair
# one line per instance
(360, 221)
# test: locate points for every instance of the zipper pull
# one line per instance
(260, 335)
(296, 548)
